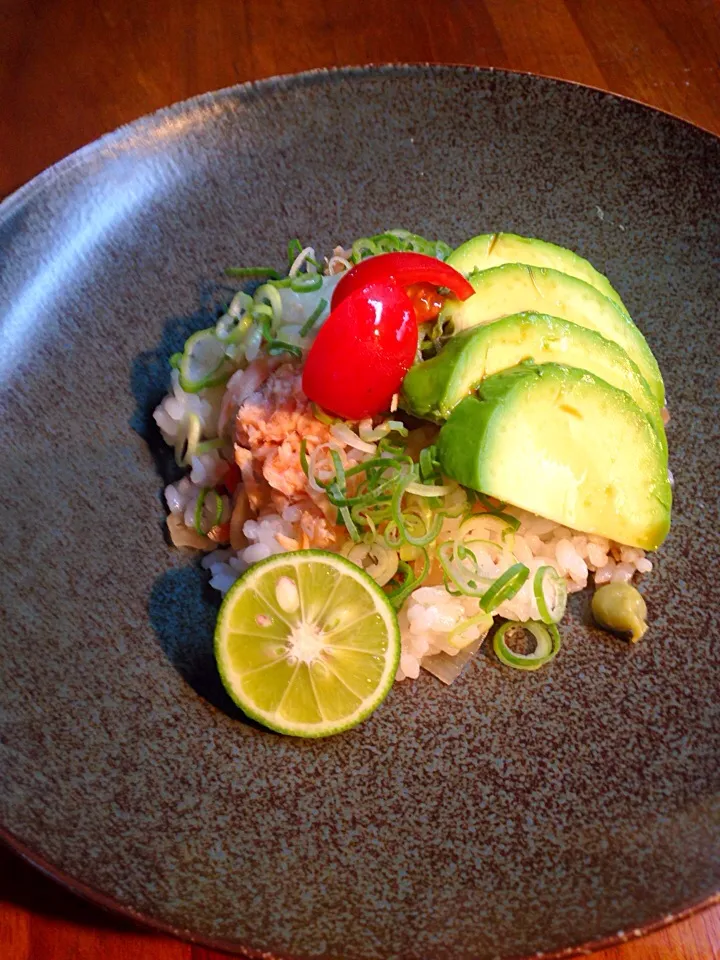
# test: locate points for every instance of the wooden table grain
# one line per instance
(71, 70)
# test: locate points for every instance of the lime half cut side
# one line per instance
(307, 643)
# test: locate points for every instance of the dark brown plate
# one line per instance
(507, 815)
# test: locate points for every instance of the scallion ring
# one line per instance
(551, 593)
(547, 641)
(399, 593)
(199, 509)
(505, 587)
(306, 282)
(203, 362)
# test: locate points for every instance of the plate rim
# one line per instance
(106, 902)
(251, 88)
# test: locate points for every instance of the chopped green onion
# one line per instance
(548, 580)
(252, 272)
(362, 248)
(339, 470)
(203, 362)
(303, 457)
(427, 462)
(349, 523)
(547, 641)
(507, 518)
(429, 489)
(455, 637)
(280, 346)
(320, 414)
(294, 249)
(399, 594)
(485, 525)
(313, 318)
(269, 293)
(208, 445)
(187, 443)
(200, 504)
(176, 360)
(306, 282)
(465, 582)
(403, 518)
(231, 329)
(392, 241)
(505, 587)
(386, 445)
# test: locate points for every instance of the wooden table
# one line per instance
(71, 70)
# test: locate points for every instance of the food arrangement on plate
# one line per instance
(401, 449)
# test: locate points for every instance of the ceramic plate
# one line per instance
(508, 815)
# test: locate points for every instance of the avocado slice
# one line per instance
(493, 249)
(563, 444)
(431, 389)
(515, 287)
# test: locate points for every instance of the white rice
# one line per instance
(431, 613)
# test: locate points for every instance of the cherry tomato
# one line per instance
(404, 269)
(426, 301)
(362, 352)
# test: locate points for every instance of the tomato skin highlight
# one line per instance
(362, 352)
(404, 269)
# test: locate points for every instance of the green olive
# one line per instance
(621, 608)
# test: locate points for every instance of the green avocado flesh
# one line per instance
(433, 388)
(493, 249)
(563, 444)
(514, 287)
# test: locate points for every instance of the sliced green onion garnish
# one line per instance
(551, 593)
(349, 523)
(339, 470)
(313, 318)
(455, 637)
(231, 329)
(294, 248)
(398, 594)
(200, 504)
(404, 521)
(187, 443)
(279, 346)
(507, 518)
(176, 360)
(252, 272)
(429, 489)
(427, 462)
(306, 282)
(203, 362)
(320, 414)
(217, 443)
(364, 247)
(466, 581)
(303, 457)
(505, 587)
(268, 294)
(547, 641)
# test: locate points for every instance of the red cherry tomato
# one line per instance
(362, 352)
(426, 301)
(404, 269)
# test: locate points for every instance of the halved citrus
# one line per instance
(307, 643)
